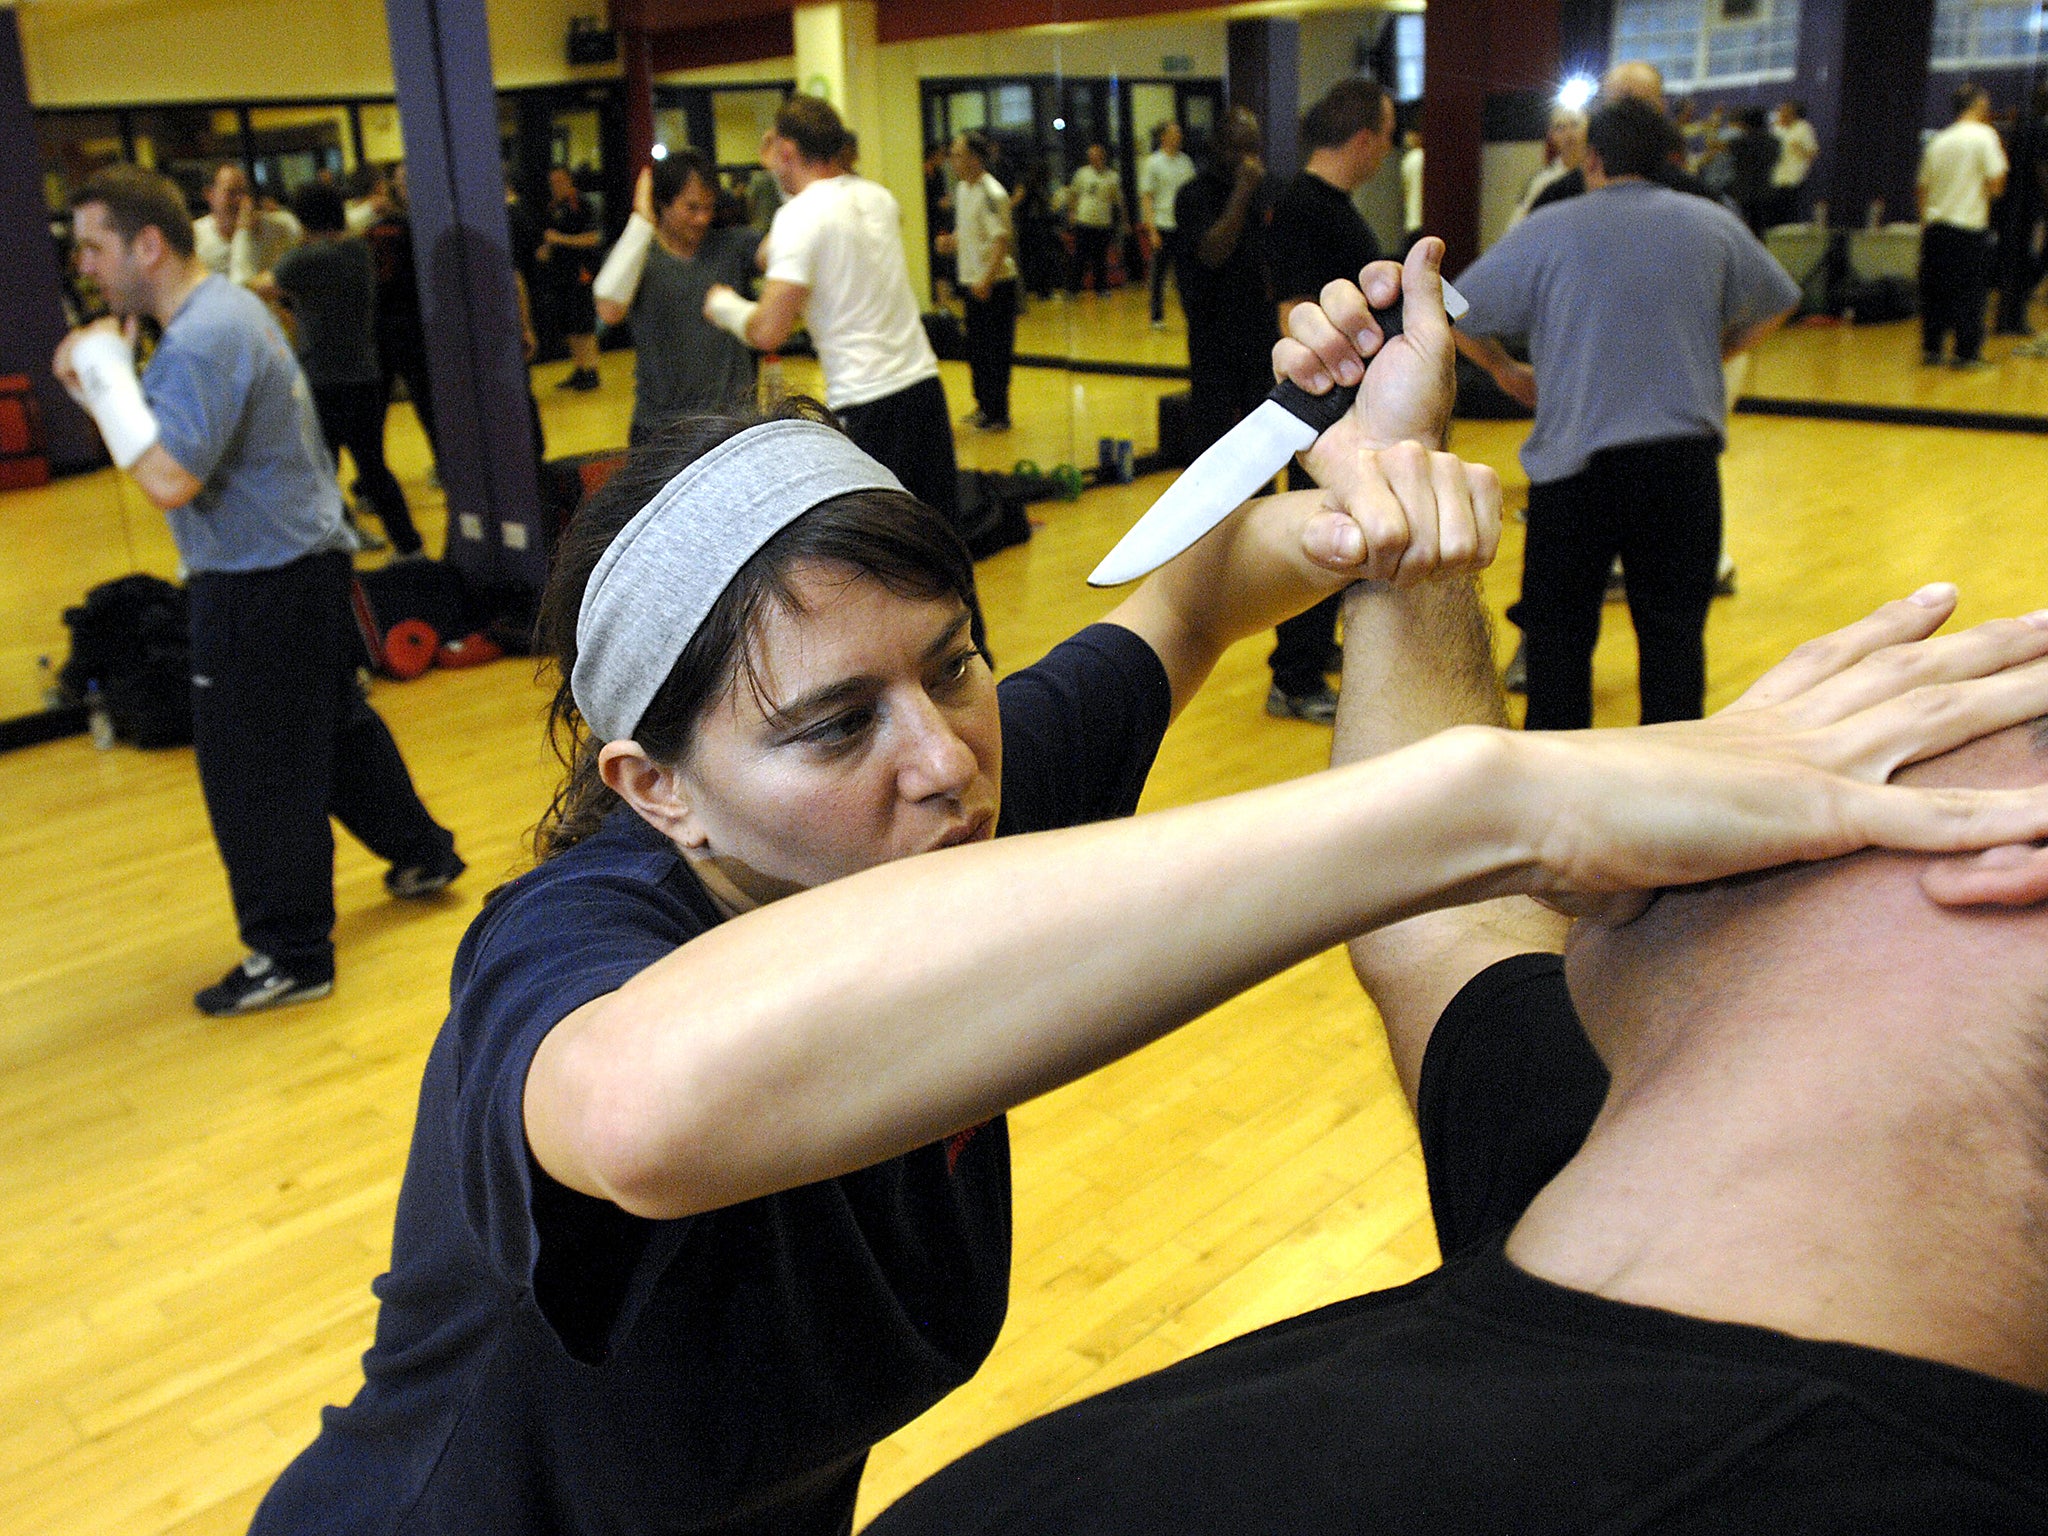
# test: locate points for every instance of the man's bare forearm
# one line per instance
(1416, 661)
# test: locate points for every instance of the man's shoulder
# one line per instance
(216, 310)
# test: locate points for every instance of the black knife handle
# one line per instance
(1324, 411)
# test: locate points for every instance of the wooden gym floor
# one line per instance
(194, 1208)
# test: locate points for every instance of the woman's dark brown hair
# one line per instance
(887, 536)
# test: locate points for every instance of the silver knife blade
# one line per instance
(1228, 474)
(1236, 465)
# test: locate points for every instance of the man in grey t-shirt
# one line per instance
(1631, 297)
(669, 257)
(220, 433)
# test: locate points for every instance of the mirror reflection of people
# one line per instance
(330, 283)
(1093, 199)
(1738, 1227)
(657, 275)
(566, 261)
(236, 237)
(1962, 170)
(982, 243)
(1165, 171)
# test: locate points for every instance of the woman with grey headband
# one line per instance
(709, 1184)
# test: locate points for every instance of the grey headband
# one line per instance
(659, 579)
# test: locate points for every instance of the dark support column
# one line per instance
(1473, 49)
(638, 51)
(1877, 142)
(1265, 75)
(1453, 111)
(31, 302)
(441, 55)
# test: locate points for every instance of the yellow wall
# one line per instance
(93, 52)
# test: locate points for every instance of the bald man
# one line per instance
(1630, 80)
(1741, 1227)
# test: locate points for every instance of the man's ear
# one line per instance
(2015, 875)
(656, 792)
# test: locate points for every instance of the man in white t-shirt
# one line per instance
(1094, 200)
(834, 264)
(1798, 148)
(1961, 171)
(237, 239)
(1165, 171)
(982, 243)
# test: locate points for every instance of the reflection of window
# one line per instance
(292, 145)
(186, 143)
(1702, 42)
(1408, 33)
(1013, 106)
(967, 109)
(1985, 32)
(383, 142)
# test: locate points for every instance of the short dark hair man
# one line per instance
(330, 281)
(1962, 171)
(1741, 1231)
(1631, 296)
(220, 433)
(835, 264)
(1318, 236)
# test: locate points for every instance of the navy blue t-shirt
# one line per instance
(546, 1362)
(1481, 1399)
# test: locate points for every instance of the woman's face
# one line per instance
(874, 736)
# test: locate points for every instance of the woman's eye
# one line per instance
(839, 730)
(960, 668)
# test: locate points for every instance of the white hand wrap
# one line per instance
(618, 280)
(105, 365)
(729, 312)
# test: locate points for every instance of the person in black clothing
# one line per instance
(1224, 287)
(567, 257)
(2018, 214)
(1740, 1231)
(1318, 236)
(1755, 152)
(330, 282)
(401, 333)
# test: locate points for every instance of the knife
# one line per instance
(1233, 468)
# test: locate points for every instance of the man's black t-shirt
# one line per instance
(1482, 1399)
(1317, 236)
(1229, 307)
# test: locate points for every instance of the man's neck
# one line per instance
(1331, 166)
(175, 285)
(1804, 1190)
(807, 172)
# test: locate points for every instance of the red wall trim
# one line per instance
(734, 42)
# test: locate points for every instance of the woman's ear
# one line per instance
(657, 793)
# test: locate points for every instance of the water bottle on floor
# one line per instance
(99, 722)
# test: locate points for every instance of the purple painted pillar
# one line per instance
(31, 301)
(483, 435)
